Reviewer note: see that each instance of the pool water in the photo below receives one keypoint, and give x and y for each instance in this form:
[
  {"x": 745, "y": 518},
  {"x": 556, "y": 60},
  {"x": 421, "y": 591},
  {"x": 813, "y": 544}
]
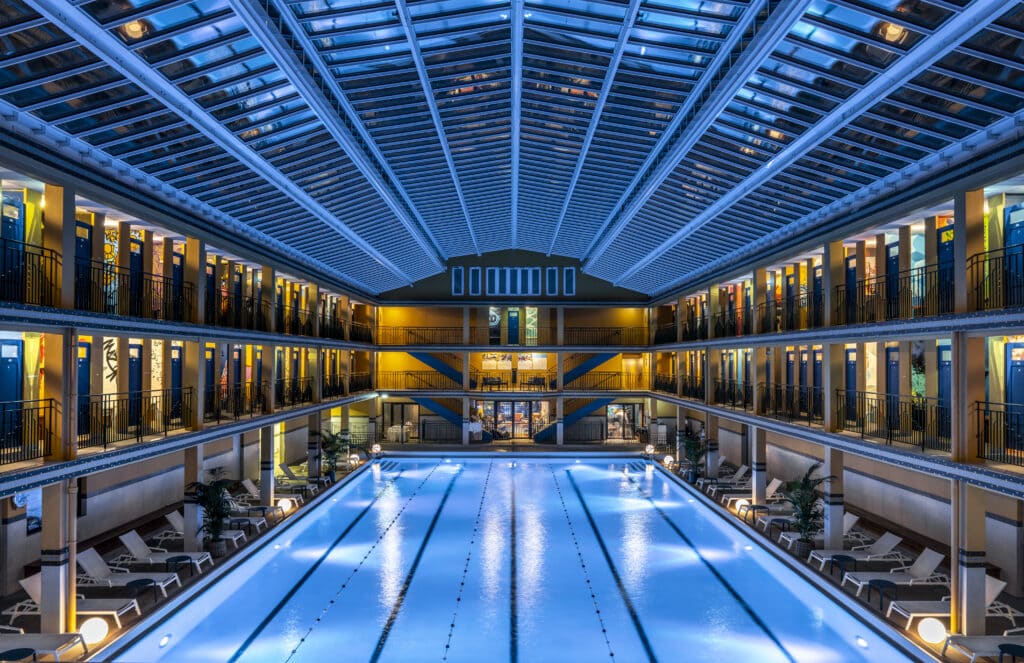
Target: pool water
[{"x": 510, "y": 559}]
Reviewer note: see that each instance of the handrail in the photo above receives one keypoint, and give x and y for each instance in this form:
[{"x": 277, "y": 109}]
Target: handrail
[
  {"x": 918, "y": 421},
  {"x": 998, "y": 278},
  {"x": 29, "y": 274},
  {"x": 1000, "y": 435},
  {"x": 107, "y": 418},
  {"x": 26, "y": 429},
  {"x": 117, "y": 290}
]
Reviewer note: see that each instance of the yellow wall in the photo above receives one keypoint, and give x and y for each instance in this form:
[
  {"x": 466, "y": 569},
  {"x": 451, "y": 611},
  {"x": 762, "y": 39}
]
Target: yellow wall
[
  {"x": 605, "y": 317},
  {"x": 407, "y": 316}
]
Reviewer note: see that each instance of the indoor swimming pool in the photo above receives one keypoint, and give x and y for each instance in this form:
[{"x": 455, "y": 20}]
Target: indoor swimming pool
[{"x": 499, "y": 558}]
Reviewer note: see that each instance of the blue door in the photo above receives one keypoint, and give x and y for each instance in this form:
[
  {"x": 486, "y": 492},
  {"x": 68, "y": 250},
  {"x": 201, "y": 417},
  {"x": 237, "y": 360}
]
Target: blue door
[
  {"x": 10, "y": 392},
  {"x": 892, "y": 281},
  {"x": 1015, "y": 396},
  {"x": 84, "y": 386},
  {"x": 819, "y": 298},
  {"x": 746, "y": 366},
  {"x": 892, "y": 386},
  {"x": 295, "y": 372},
  {"x": 513, "y": 326},
  {"x": 791, "y": 301},
  {"x": 945, "y": 273},
  {"x": 175, "y": 381},
  {"x": 1013, "y": 229},
  {"x": 818, "y": 394},
  {"x": 802, "y": 385},
  {"x": 790, "y": 378},
  {"x": 945, "y": 365},
  {"x": 279, "y": 386},
  {"x": 211, "y": 297},
  {"x": 135, "y": 278},
  {"x": 851, "y": 384},
  {"x": 257, "y": 369},
  {"x": 851, "y": 290},
  {"x": 178, "y": 285},
  {"x": 209, "y": 360},
  {"x": 83, "y": 266},
  {"x": 236, "y": 365},
  {"x": 134, "y": 384},
  {"x": 12, "y": 249}
]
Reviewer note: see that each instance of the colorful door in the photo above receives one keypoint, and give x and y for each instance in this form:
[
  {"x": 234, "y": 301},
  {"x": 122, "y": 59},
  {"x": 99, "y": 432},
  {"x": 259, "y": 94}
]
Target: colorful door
[
  {"x": 12, "y": 248},
  {"x": 175, "y": 381},
  {"x": 945, "y": 366},
  {"x": 851, "y": 290},
  {"x": 135, "y": 278},
  {"x": 892, "y": 281},
  {"x": 818, "y": 298},
  {"x": 892, "y": 386},
  {"x": 818, "y": 397},
  {"x": 84, "y": 385},
  {"x": 1013, "y": 229},
  {"x": 134, "y": 384},
  {"x": 177, "y": 307},
  {"x": 513, "y": 326},
  {"x": 945, "y": 273},
  {"x": 83, "y": 266},
  {"x": 10, "y": 392},
  {"x": 850, "y": 403},
  {"x": 1015, "y": 396}
]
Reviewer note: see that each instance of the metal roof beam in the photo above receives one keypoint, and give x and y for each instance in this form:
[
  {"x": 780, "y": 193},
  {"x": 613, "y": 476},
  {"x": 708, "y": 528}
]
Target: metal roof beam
[
  {"x": 595, "y": 116},
  {"x": 516, "y": 14},
  {"x": 435, "y": 115},
  {"x": 260, "y": 24},
  {"x": 85, "y": 30},
  {"x": 947, "y": 37},
  {"x": 663, "y": 159}
]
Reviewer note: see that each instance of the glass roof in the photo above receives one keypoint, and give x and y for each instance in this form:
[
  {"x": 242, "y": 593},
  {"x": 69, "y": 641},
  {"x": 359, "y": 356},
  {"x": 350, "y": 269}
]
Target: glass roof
[{"x": 650, "y": 139}]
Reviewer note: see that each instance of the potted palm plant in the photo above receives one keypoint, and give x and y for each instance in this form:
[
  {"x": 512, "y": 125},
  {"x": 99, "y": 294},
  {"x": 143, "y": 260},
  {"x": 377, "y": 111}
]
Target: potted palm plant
[
  {"x": 694, "y": 449},
  {"x": 333, "y": 445},
  {"x": 802, "y": 494},
  {"x": 212, "y": 498}
]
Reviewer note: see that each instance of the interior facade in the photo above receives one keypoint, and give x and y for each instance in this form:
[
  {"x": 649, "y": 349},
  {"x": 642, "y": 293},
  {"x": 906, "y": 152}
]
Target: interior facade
[{"x": 793, "y": 229}]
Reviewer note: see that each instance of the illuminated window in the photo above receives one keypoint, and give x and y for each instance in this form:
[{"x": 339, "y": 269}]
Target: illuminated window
[
  {"x": 458, "y": 286},
  {"x": 569, "y": 282}
]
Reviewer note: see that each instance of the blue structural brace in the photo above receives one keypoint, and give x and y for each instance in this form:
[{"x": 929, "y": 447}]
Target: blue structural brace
[
  {"x": 585, "y": 367},
  {"x": 438, "y": 365},
  {"x": 571, "y": 418}
]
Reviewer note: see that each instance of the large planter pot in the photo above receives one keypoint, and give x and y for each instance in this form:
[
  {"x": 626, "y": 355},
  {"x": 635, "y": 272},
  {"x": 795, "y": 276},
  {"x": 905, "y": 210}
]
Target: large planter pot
[
  {"x": 218, "y": 548},
  {"x": 330, "y": 475},
  {"x": 691, "y": 476},
  {"x": 802, "y": 549}
]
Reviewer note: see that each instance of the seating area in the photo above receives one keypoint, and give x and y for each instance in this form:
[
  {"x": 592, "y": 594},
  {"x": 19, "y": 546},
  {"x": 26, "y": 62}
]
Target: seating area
[
  {"x": 128, "y": 573},
  {"x": 905, "y": 580}
]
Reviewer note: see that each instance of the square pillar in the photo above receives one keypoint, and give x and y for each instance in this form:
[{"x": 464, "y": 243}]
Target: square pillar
[
  {"x": 967, "y": 572},
  {"x": 835, "y": 503},
  {"x": 194, "y": 376},
  {"x": 313, "y": 450},
  {"x": 61, "y": 384},
  {"x": 195, "y": 273},
  {"x": 967, "y": 387},
  {"x": 968, "y": 240},
  {"x": 57, "y": 610},
  {"x": 193, "y": 513},
  {"x": 833, "y": 378},
  {"x": 267, "y": 466},
  {"x": 758, "y": 464},
  {"x": 59, "y": 235},
  {"x": 560, "y": 419},
  {"x": 560, "y": 325},
  {"x": 465, "y": 422},
  {"x": 832, "y": 268}
]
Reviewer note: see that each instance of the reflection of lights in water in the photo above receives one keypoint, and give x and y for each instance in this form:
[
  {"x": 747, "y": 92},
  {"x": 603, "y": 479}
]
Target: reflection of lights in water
[
  {"x": 636, "y": 544},
  {"x": 532, "y": 540},
  {"x": 492, "y": 552},
  {"x": 390, "y": 550}
]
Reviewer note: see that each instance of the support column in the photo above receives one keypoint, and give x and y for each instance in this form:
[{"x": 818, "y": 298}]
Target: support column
[
  {"x": 560, "y": 325},
  {"x": 832, "y": 267},
  {"x": 467, "y": 336},
  {"x": 759, "y": 287},
  {"x": 267, "y": 466},
  {"x": 967, "y": 388},
  {"x": 758, "y": 463},
  {"x": 967, "y": 572},
  {"x": 833, "y": 378},
  {"x": 313, "y": 450},
  {"x": 195, "y": 273},
  {"x": 194, "y": 376},
  {"x": 59, "y": 235},
  {"x": 714, "y": 307},
  {"x": 193, "y": 462},
  {"x": 559, "y": 371},
  {"x": 61, "y": 384},
  {"x": 465, "y": 421},
  {"x": 268, "y": 289},
  {"x": 560, "y": 417},
  {"x": 968, "y": 239},
  {"x": 711, "y": 454},
  {"x": 756, "y": 377},
  {"x": 835, "y": 503},
  {"x": 57, "y": 610},
  {"x": 270, "y": 355}
]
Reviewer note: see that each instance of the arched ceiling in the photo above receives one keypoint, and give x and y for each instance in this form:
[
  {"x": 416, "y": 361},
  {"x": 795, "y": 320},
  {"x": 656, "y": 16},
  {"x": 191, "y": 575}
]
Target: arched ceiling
[{"x": 649, "y": 139}]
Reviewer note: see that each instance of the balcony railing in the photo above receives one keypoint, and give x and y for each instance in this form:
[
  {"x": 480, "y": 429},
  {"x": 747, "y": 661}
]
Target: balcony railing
[
  {"x": 913, "y": 420},
  {"x": 998, "y": 276},
  {"x": 360, "y": 332},
  {"x": 1001, "y": 432},
  {"x": 420, "y": 335},
  {"x": 513, "y": 380},
  {"x": 665, "y": 382},
  {"x": 247, "y": 399},
  {"x": 605, "y": 336},
  {"x": 607, "y": 381},
  {"x": 792, "y": 402},
  {"x": 913, "y": 293},
  {"x": 332, "y": 328},
  {"x": 416, "y": 380},
  {"x": 294, "y": 320},
  {"x": 250, "y": 313},
  {"x": 695, "y": 329},
  {"x": 104, "y": 288},
  {"x": 26, "y": 430},
  {"x": 440, "y": 431},
  {"x": 734, "y": 393},
  {"x": 666, "y": 333},
  {"x": 803, "y": 311},
  {"x": 108, "y": 418},
  {"x": 333, "y": 386},
  {"x": 289, "y": 392},
  {"x": 359, "y": 382},
  {"x": 691, "y": 386},
  {"x": 733, "y": 323},
  {"x": 29, "y": 274}
]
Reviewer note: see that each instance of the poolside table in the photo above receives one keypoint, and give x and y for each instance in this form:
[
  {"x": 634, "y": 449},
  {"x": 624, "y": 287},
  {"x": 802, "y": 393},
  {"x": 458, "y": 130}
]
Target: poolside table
[{"x": 886, "y": 588}]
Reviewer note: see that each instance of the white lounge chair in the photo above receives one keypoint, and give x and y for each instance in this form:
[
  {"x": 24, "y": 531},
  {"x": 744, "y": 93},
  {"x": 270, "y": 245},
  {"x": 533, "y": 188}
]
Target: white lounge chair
[
  {"x": 993, "y": 608},
  {"x": 50, "y": 644},
  {"x": 98, "y": 572},
  {"x": 252, "y": 495},
  {"x": 883, "y": 549},
  {"x": 735, "y": 481},
  {"x": 138, "y": 551},
  {"x": 771, "y": 494},
  {"x": 850, "y": 536},
  {"x": 983, "y": 646},
  {"x": 921, "y": 572},
  {"x": 243, "y": 511},
  {"x": 176, "y": 532},
  {"x": 702, "y": 480},
  {"x": 33, "y": 586},
  {"x": 294, "y": 481},
  {"x": 785, "y": 514}
]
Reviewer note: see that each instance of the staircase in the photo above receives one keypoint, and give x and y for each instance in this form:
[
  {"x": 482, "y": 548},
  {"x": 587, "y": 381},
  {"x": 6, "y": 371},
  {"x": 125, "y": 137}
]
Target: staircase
[
  {"x": 442, "y": 363},
  {"x": 585, "y": 365},
  {"x": 585, "y": 408},
  {"x": 445, "y": 412}
]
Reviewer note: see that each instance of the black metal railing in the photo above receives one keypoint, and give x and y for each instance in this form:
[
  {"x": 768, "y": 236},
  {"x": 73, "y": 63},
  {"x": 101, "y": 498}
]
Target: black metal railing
[
  {"x": 108, "y": 418},
  {"x": 26, "y": 430},
  {"x": 998, "y": 278},
  {"x": 733, "y": 323},
  {"x": 607, "y": 381},
  {"x": 423, "y": 380},
  {"x": 665, "y": 382},
  {"x": 586, "y": 431},
  {"x": 250, "y": 313},
  {"x": 788, "y": 402},
  {"x": 734, "y": 393},
  {"x": 1001, "y": 432},
  {"x": 360, "y": 332},
  {"x": 294, "y": 320},
  {"x": 333, "y": 386},
  {"x": 914, "y": 420},
  {"x": 359, "y": 382},
  {"x": 331, "y": 327},
  {"x": 420, "y": 335},
  {"x": 803, "y": 311},
  {"x": 105, "y": 288},
  {"x": 29, "y": 274},
  {"x": 666, "y": 333},
  {"x": 440, "y": 431},
  {"x": 605, "y": 336},
  {"x": 913, "y": 293},
  {"x": 289, "y": 392},
  {"x": 691, "y": 386},
  {"x": 695, "y": 329},
  {"x": 234, "y": 401},
  {"x": 513, "y": 380}
]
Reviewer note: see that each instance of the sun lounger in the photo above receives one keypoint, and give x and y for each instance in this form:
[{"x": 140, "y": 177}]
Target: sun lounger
[
  {"x": 98, "y": 572},
  {"x": 921, "y": 572},
  {"x": 918, "y": 609},
  {"x": 982, "y": 646},
  {"x": 33, "y": 586},
  {"x": 138, "y": 551},
  {"x": 883, "y": 549}
]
